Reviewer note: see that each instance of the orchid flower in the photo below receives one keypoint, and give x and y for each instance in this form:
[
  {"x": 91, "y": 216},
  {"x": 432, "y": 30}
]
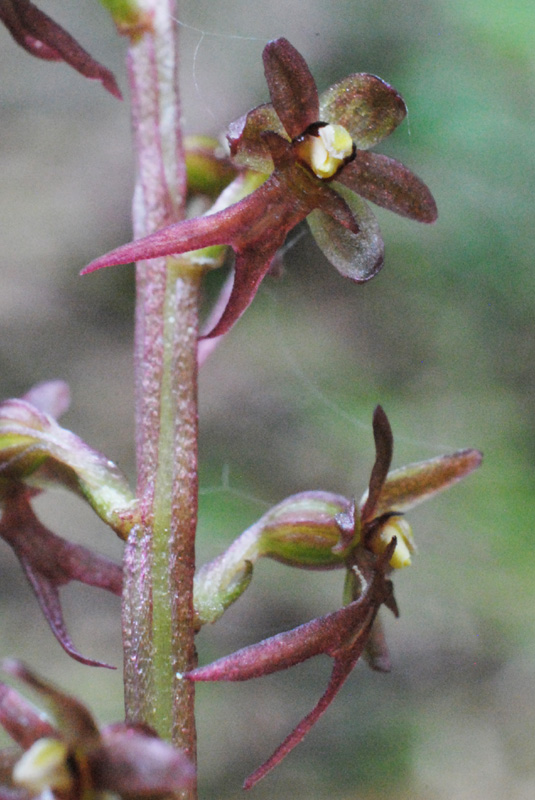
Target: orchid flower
[
  {"x": 314, "y": 151},
  {"x": 44, "y": 38},
  {"x": 323, "y": 531},
  {"x": 74, "y": 758}
]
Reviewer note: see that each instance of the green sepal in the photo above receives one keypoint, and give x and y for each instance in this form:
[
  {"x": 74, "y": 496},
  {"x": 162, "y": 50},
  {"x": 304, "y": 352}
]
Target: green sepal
[
  {"x": 368, "y": 107},
  {"x": 358, "y": 256},
  {"x": 302, "y": 531}
]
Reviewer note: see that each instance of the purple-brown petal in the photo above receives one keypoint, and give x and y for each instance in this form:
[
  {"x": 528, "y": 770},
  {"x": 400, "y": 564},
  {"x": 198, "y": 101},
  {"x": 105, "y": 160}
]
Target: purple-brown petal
[
  {"x": 76, "y": 723},
  {"x": 384, "y": 448},
  {"x": 356, "y": 255},
  {"x": 332, "y": 634},
  {"x": 345, "y": 652},
  {"x": 255, "y": 217},
  {"x": 368, "y": 107},
  {"x": 21, "y": 720},
  {"x": 247, "y": 147},
  {"x": 291, "y": 86},
  {"x": 411, "y": 485},
  {"x": 250, "y": 269},
  {"x": 388, "y": 183},
  {"x": 50, "y": 562},
  {"x": 133, "y": 764},
  {"x": 44, "y": 38},
  {"x": 341, "y": 670},
  {"x": 255, "y": 228}
]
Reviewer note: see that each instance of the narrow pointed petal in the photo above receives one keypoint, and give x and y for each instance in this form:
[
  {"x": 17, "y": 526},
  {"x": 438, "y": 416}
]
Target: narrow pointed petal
[
  {"x": 367, "y": 107},
  {"x": 247, "y": 147},
  {"x": 182, "y": 237},
  {"x": 376, "y": 652},
  {"x": 249, "y": 271},
  {"x": 409, "y": 486},
  {"x": 389, "y": 184},
  {"x": 340, "y": 673},
  {"x": 77, "y": 724},
  {"x": 337, "y": 206},
  {"x": 22, "y": 721},
  {"x": 285, "y": 649},
  {"x": 240, "y": 225},
  {"x": 50, "y": 562},
  {"x": 346, "y": 652},
  {"x": 44, "y": 38},
  {"x": 47, "y": 595},
  {"x": 291, "y": 86},
  {"x": 358, "y": 256},
  {"x": 331, "y": 634},
  {"x": 384, "y": 448}
]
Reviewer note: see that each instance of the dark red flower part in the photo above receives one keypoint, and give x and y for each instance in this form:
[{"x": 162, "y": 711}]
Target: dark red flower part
[
  {"x": 314, "y": 530},
  {"x": 384, "y": 450},
  {"x": 311, "y": 148},
  {"x": 49, "y": 562},
  {"x": 44, "y": 38},
  {"x": 292, "y": 88},
  {"x": 343, "y": 635},
  {"x": 255, "y": 228},
  {"x": 75, "y": 759}
]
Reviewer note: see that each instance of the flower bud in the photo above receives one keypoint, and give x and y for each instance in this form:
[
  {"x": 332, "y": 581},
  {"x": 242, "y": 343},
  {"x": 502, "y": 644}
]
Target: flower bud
[
  {"x": 305, "y": 531},
  {"x": 310, "y": 530},
  {"x": 209, "y": 169},
  {"x": 36, "y": 450}
]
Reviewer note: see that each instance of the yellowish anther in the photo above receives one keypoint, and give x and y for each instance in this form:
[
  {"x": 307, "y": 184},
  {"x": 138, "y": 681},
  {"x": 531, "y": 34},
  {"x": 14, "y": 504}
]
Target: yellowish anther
[
  {"x": 400, "y": 528},
  {"x": 326, "y": 151},
  {"x": 44, "y": 766}
]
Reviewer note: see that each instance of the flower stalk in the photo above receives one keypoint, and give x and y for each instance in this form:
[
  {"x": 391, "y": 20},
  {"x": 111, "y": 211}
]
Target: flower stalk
[{"x": 159, "y": 561}]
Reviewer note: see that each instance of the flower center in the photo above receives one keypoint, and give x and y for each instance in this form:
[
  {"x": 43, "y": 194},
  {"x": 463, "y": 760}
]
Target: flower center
[
  {"x": 325, "y": 149},
  {"x": 400, "y": 528},
  {"x": 44, "y": 766}
]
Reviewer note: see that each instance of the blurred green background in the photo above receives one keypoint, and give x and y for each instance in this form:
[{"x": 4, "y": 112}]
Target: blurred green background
[{"x": 443, "y": 338}]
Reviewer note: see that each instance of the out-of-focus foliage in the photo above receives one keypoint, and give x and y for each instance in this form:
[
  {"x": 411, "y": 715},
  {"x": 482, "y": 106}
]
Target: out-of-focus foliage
[{"x": 443, "y": 339}]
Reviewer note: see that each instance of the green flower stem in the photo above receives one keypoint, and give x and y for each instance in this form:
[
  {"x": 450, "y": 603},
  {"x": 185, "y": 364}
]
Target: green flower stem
[{"x": 158, "y": 622}]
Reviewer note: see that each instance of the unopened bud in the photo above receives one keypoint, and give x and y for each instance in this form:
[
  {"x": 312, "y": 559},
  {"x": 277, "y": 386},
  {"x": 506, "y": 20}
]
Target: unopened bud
[
  {"x": 209, "y": 169},
  {"x": 35, "y": 449},
  {"x": 304, "y": 531}
]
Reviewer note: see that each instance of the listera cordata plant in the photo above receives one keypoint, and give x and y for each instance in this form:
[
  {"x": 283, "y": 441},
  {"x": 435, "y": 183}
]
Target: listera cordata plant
[
  {"x": 320, "y": 530},
  {"x": 304, "y": 156},
  {"x": 310, "y": 155}
]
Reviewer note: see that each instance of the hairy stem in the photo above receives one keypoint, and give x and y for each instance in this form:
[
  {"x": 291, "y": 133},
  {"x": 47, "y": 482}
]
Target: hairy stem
[{"x": 160, "y": 559}]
